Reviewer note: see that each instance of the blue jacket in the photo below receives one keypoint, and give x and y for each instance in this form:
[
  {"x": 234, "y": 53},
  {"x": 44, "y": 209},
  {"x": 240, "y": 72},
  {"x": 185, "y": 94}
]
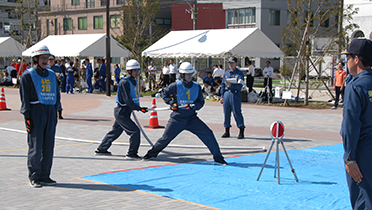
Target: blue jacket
[
  {"x": 357, "y": 121},
  {"x": 234, "y": 87},
  {"x": 89, "y": 71}
]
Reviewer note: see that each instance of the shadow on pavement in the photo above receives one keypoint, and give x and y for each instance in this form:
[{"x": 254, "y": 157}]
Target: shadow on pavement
[{"x": 107, "y": 187}]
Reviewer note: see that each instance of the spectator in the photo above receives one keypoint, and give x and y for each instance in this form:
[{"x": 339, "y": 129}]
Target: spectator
[
  {"x": 63, "y": 76},
  {"x": 208, "y": 78},
  {"x": 13, "y": 63},
  {"x": 97, "y": 84},
  {"x": 172, "y": 71},
  {"x": 250, "y": 76},
  {"x": 165, "y": 73},
  {"x": 340, "y": 76},
  {"x": 89, "y": 75},
  {"x": 18, "y": 66},
  {"x": 7, "y": 81},
  {"x": 217, "y": 72},
  {"x": 208, "y": 89},
  {"x": 117, "y": 72},
  {"x": 152, "y": 75},
  {"x": 57, "y": 70},
  {"x": 70, "y": 80},
  {"x": 268, "y": 81},
  {"x": 102, "y": 75}
]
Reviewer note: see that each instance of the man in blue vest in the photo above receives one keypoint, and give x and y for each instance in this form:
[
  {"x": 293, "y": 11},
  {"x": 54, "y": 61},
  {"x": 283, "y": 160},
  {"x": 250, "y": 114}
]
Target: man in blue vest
[
  {"x": 356, "y": 130},
  {"x": 89, "y": 74},
  {"x": 185, "y": 97},
  {"x": 40, "y": 97},
  {"x": 127, "y": 99},
  {"x": 231, "y": 98}
]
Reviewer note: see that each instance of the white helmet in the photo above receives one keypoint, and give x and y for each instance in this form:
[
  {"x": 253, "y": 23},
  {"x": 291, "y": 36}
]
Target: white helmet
[
  {"x": 186, "y": 68},
  {"x": 42, "y": 50},
  {"x": 132, "y": 64}
]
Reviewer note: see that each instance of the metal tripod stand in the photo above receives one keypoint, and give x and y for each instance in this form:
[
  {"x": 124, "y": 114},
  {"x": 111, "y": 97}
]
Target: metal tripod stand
[{"x": 277, "y": 133}]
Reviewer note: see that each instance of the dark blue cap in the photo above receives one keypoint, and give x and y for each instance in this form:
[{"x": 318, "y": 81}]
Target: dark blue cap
[
  {"x": 62, "y": 60},
  {"x": 361, "y": 47},
  {"x": 233, "y": 59}
]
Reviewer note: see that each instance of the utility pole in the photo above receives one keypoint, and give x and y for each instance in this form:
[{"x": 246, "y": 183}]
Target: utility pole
[
  {"x": 108, "y": 50},
  {"x": 194, "y": 15}
]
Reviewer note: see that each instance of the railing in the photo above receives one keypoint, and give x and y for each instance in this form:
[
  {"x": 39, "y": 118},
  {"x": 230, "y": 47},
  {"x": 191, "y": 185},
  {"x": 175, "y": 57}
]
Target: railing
[{"x": 86, "y": 4}]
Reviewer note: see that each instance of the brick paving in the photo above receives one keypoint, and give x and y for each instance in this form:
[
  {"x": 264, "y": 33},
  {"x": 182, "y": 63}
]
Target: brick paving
[{"x": 90, "y": 116}]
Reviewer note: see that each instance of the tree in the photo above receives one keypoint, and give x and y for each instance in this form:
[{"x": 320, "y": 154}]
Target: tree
[
  {"x": 28, "y": 29},
  {"x": 136, "y": 18},
  {"x": 309, "y": 20}
]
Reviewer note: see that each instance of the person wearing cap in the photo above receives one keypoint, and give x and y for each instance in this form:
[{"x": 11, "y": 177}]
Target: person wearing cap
[
  {"x": 356, "y": 128},
  {"x": 40, "y": 98},
  {"x": 185, "y": 98},
  {"x": 57, "y": 70},
  {"x": 127, "y": 99},
  {"x": 70, "y": 79},
  {"x": 231, "y": 98}
]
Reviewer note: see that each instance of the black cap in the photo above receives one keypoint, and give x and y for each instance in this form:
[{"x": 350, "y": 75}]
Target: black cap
[
  {"x": 233, "y": 59},
  {"x": 62, "y": 60},
  {"x": 361, "y": 47}
]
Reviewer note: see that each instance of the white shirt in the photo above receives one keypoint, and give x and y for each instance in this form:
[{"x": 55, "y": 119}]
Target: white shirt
[
  {"x": 165, "y": 70},
  {"x": 251, "y": 70},
  {"x": 151, "y": 69},
  {"x": 10, "y": 68},
  {"x": 268, "y": 72},
  {"x": 172, "y": 69},
  {"x": 218, "y": 72}
]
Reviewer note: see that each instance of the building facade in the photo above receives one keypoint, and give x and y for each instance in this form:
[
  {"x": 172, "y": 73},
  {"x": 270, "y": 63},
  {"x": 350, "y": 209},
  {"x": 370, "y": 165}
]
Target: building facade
[{"x": 362, "y": 19}]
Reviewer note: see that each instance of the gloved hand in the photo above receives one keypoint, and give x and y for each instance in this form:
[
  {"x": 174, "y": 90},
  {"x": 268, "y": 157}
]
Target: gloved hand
[
  {"x": 29, "y": 125},
  {"x": 189, "y": 106},
  {"x": 144, "y": 109},
  {"x": 174, "y": 106}
]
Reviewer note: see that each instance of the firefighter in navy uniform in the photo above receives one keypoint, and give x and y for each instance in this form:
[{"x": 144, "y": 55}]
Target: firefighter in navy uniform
[
  {"x": 185, "y": 92},
  {"x": 356, "y": 130},
  {"x": 231, "y": 99},
  {"x": 40, "y": 97},
  {"x": 127, "y": 99}
]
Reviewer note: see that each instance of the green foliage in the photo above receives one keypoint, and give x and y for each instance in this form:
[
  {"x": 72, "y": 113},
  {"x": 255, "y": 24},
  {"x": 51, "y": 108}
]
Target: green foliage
[{"x": 135, "y": 18}]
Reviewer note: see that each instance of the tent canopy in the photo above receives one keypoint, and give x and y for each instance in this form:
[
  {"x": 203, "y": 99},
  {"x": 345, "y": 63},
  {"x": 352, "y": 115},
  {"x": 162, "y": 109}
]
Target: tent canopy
[
  {"x": 10, "y": 47},
  {"x": 251, "y": 42},
  {"x": 79, "y": 45}
]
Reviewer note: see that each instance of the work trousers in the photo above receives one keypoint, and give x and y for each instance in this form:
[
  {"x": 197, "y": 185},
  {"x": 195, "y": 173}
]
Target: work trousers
[
  {"x": 122, "y": 123},
  {"x": 232, "y": 102},
  {"x": 338, "y": 93},
  {"x": 250, "y": 81},
  {"x": 41, "y": 141},
  {"x": 193, "y": 124}
]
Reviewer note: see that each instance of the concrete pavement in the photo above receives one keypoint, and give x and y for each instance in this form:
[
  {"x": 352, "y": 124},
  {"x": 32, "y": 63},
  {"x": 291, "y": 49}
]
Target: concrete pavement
[{"x": 90, "y": 116}]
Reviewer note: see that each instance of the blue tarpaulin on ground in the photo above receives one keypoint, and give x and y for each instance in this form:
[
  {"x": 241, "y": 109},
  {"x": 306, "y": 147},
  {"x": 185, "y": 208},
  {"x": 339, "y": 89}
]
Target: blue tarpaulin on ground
[{"x": 320, "y": 170}]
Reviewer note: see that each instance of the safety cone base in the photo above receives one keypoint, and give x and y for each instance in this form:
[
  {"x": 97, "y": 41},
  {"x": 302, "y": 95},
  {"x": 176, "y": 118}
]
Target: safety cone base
[{"x": 153, "y": 127}]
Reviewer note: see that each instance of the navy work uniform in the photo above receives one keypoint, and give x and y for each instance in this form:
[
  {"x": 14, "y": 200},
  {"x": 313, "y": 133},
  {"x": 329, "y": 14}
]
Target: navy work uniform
[
  {"x": 40, "y": 98},
  {"x": 127, "y": 99},
  {"x": 232, "y": 99},
  {"x": 356, "y": 132},
  {"x": 70, "y": 81},
  {"x": 185, "y": 119}
]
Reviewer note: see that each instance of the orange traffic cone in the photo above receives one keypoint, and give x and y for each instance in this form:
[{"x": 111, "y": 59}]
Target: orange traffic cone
[
  {"x": 154, "y": 123},
  {"x": 2, "y": 100}
]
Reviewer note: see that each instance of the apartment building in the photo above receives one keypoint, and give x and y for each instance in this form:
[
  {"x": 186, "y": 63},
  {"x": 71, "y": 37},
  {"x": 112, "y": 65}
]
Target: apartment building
[{"x": 363, "y": 18}]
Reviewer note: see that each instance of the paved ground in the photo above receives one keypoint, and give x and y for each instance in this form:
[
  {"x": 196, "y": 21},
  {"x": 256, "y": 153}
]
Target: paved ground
[{"x": 90, "y": 116}]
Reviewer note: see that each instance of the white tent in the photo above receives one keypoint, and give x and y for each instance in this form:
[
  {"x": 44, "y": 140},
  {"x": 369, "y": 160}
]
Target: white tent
[
  {"x": 10, "y": 47},
  {"x": 251, "y": 42},
  {"x": 79, "y": 45}
]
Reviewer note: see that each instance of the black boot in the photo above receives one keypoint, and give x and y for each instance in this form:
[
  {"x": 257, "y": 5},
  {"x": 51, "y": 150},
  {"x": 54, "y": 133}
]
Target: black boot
[
  {"x": 227, "y": 133},
  {"x": 60, "y": 114},
  {"x": 241, "y": 133}
]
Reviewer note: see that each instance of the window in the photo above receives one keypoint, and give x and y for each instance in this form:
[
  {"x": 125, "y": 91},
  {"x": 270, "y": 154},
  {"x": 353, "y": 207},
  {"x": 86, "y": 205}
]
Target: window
[
  {"x": 82, "y": 23},
  {"x": 115, "y": 21},
  {"x": 75, "y": 2},
  {"x": 55, "y": 26},
  {"x": 292, "y": 19},
  {"x": 325, "y": 23},
  {"x": 103, "y": 3},
  {"x": 47, "y": 26},
  {"x": 274, "y": 18},
  {"x": 67, "y": 24},
  {"x": 163, "y": 21},
  {"x": 98, "y": 22},
  {"x": 119, "y": 2},
  {"x": 241, "y": 16},
  {"x": 90, "y": 3}
]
